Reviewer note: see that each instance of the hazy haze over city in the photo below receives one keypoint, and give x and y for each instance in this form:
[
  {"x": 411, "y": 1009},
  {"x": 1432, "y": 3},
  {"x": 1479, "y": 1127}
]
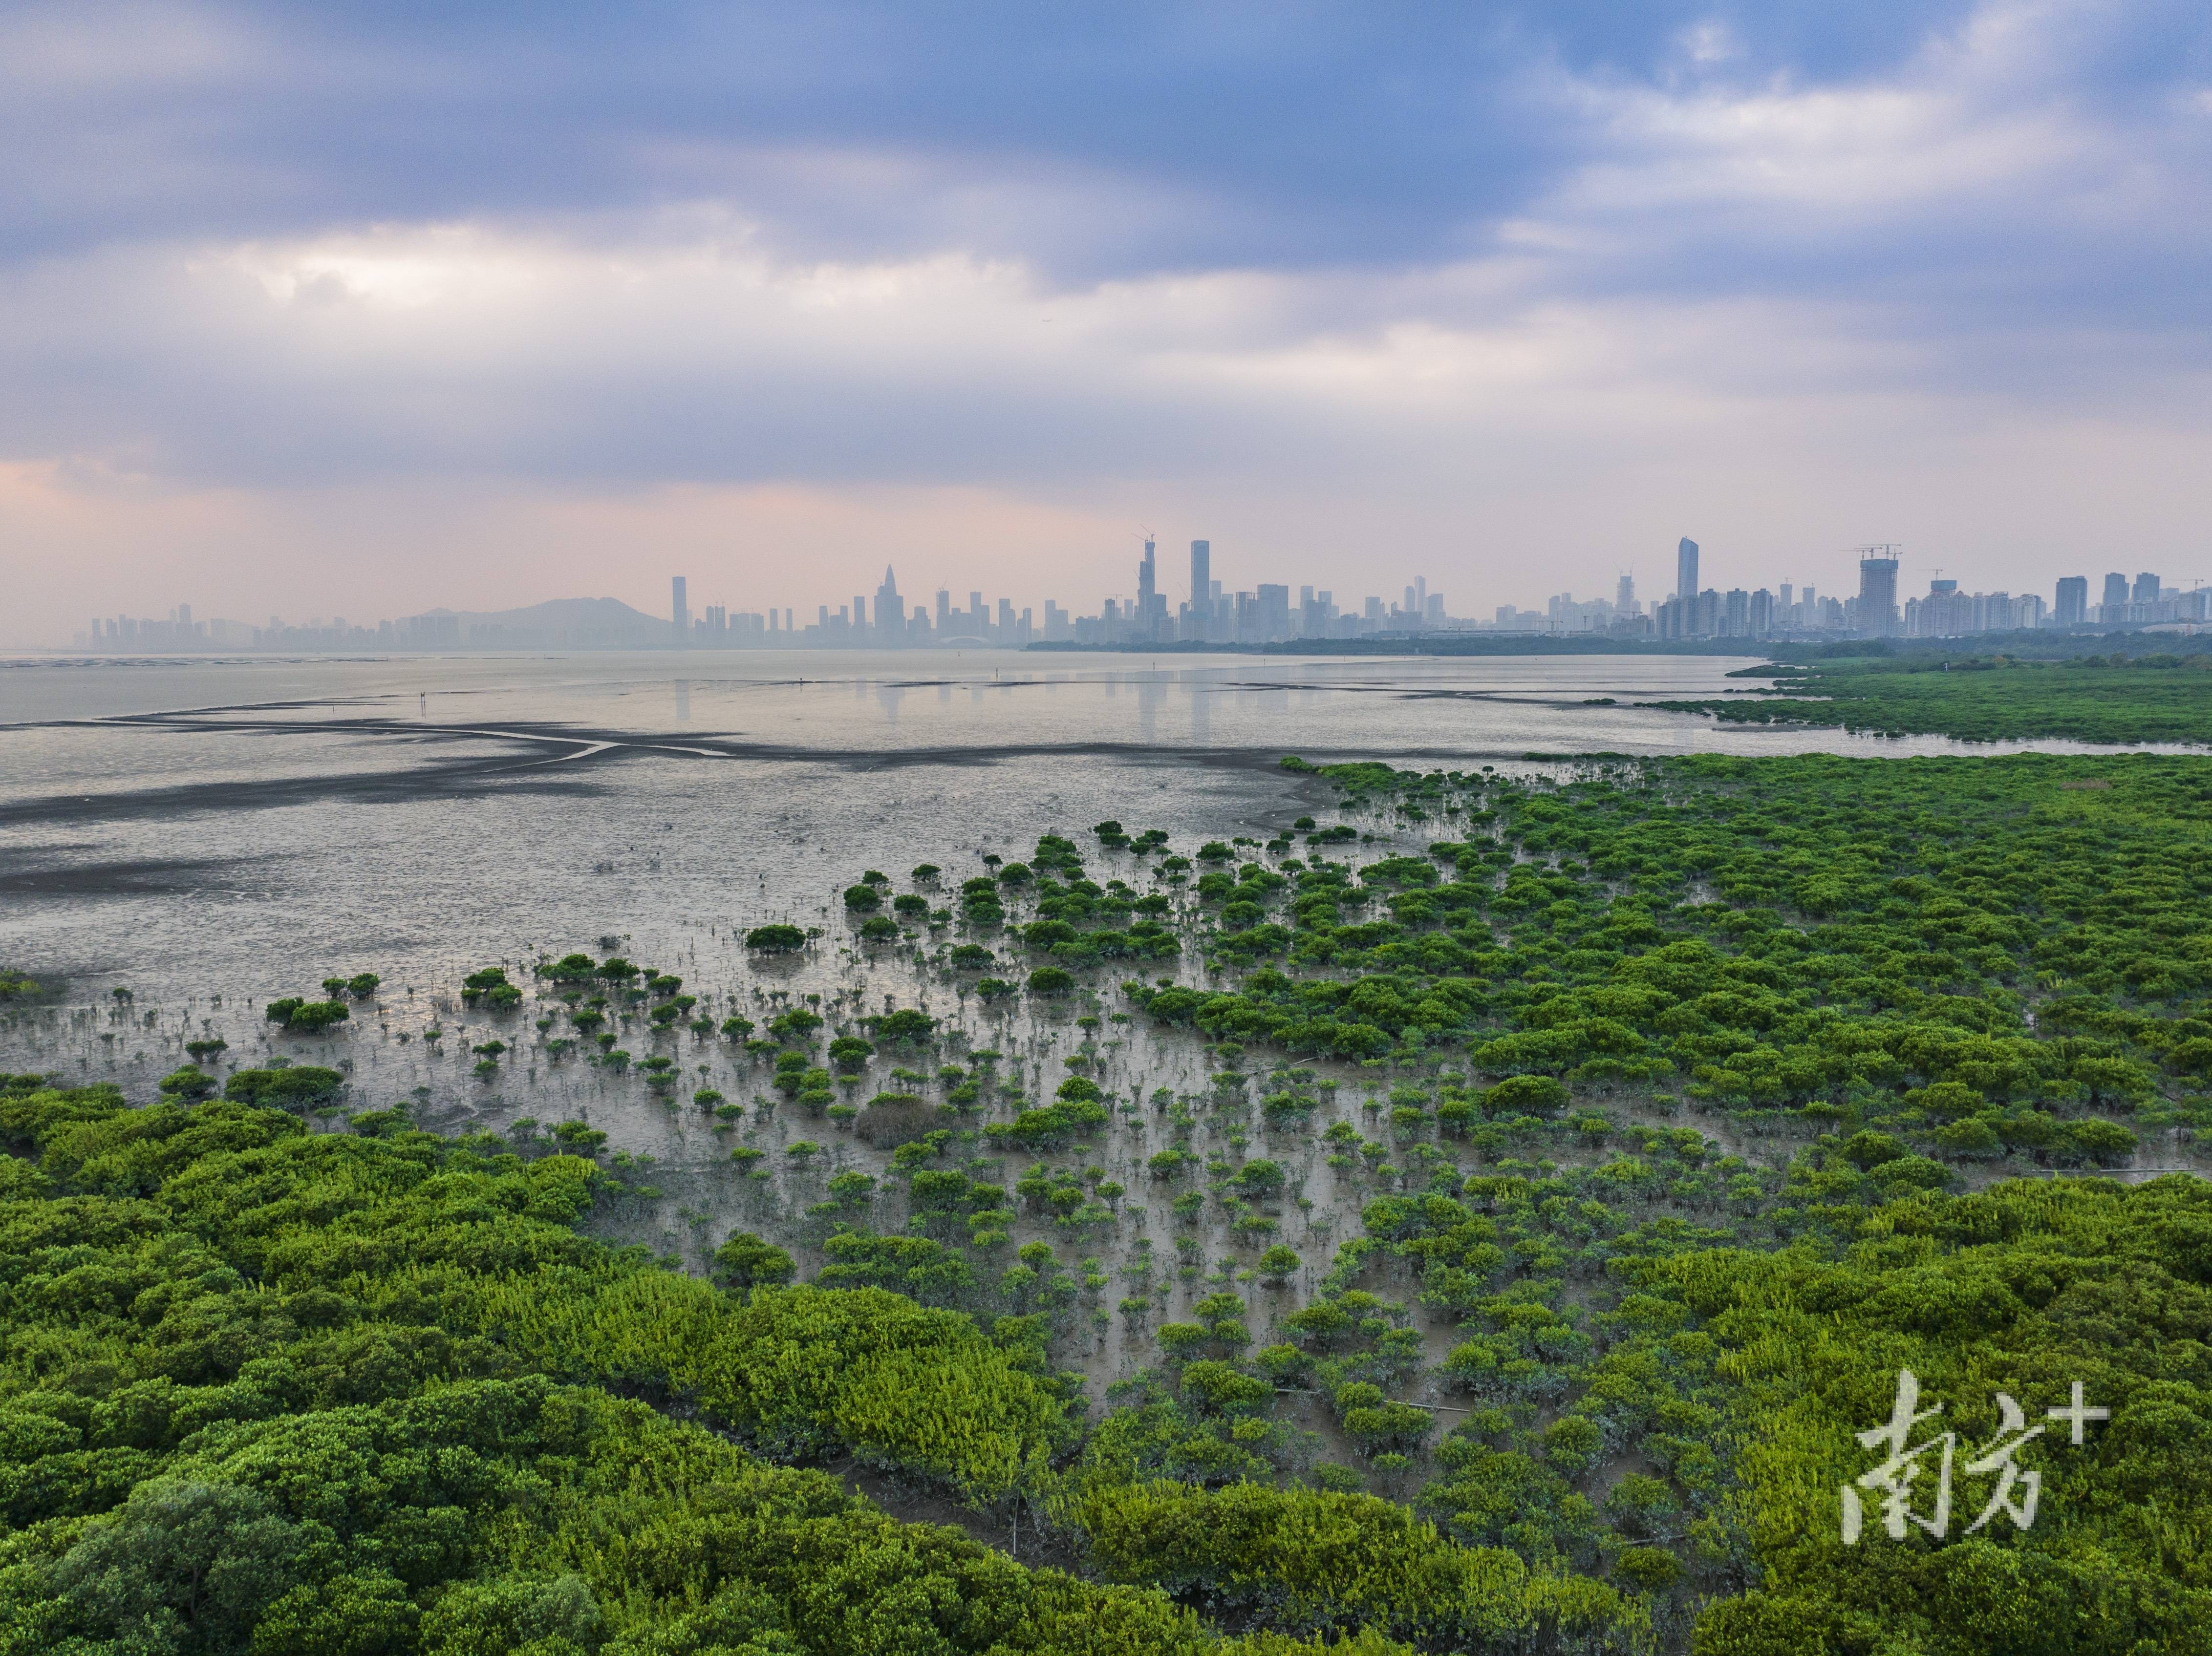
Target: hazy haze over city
[{"x": 306, "y": 310}]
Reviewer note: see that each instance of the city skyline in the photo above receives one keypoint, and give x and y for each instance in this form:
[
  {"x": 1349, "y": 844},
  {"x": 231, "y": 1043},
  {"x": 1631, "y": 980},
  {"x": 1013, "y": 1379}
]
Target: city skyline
[{"x": 1263, "y": 614}]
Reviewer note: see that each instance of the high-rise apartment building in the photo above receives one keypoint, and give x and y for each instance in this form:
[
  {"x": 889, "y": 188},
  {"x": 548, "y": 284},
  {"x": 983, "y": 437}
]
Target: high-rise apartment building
[
  {"x": 1623, "y": 595},
  {"x": 1685, "y": 568},
  {"x": 681, "y": 605},
  {"x": 2115, "y": 592},
  {"x": 1877, "y": 614},
  {"x": 1944, "y": 613},
  {"x": 2146, "y": 590},
  {"x": 2073, "y": 605}
]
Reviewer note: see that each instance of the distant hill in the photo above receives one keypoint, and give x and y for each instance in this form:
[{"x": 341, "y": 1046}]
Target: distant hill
[{"x": 570, "y": 623}]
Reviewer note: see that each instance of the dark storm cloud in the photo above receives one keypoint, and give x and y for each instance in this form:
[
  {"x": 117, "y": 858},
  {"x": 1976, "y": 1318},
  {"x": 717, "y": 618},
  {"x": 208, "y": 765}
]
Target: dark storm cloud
[{"x": 1238, "y": 135}]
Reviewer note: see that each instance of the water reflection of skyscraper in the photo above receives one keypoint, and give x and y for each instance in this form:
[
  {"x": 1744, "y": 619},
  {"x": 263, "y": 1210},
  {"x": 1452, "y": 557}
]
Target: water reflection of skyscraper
[
  {"x": 888, "y": 697},
  {"x": 1152, "y": 693},
  {"x": 683, "y": 702}
]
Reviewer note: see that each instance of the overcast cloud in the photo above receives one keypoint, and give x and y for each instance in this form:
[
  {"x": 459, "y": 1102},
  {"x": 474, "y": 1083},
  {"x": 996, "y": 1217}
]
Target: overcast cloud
[{"x": 312, "y": 311}]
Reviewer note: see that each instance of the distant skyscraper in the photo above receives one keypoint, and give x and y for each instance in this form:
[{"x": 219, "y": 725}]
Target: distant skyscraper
[
  {"x": 2115, "y": 592},
  {"x": 1685, "y": 568},
  {"x": 1623, "y": 595},
  {"x": 1735, "y": 613},
  {"x": 1201, "y": 575},
  {"x": 2073, "y": 605},
  {"x": 1878, "y": 596},
  {"x": 683, "y": 608},
  {"x": 2146, "y": 588},
  {"x": 890, "y": 608}
]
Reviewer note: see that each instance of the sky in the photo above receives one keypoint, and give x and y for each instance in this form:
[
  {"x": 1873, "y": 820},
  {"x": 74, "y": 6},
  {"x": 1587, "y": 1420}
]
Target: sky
[{"x": 310, "y": 310}]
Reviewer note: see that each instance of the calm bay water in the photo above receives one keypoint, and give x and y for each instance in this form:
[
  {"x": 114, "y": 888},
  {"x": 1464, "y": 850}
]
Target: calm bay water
[{"x": 244, "y": 827}]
